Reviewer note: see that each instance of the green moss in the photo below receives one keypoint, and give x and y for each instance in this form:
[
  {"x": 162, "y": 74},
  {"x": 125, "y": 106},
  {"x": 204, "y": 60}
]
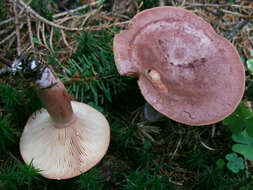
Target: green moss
[
  {"x": 19, "y": 104},
  {"x": 147, "y": 4},
  {"x": 3, "y": 11},
  {"x": 88, "y": 181},
  {"x": 15, "y": 176},
  {"x": 91, "y": 74}
]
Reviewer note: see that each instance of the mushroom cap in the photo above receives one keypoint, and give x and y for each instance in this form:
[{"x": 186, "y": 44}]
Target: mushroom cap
[
  {"x": 186, "y": 71},
  {"x": 62, "y": 153}
]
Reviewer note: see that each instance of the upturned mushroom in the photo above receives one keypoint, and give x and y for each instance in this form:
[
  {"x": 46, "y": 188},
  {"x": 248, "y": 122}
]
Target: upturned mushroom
[
  {"x": 65, "y": 139},
  {"x": 186, "y": 71}
]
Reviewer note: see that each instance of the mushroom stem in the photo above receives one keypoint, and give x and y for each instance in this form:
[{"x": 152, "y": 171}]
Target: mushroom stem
[{"x": 55, "y": 98}]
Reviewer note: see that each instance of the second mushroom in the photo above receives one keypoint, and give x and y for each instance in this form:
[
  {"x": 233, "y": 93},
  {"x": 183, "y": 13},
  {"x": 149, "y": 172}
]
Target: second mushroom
[{"x": 186, "y": 71}]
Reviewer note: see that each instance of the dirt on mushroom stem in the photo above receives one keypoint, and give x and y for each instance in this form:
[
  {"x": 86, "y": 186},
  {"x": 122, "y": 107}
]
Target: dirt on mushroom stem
[{"x": 49, "y": 88}]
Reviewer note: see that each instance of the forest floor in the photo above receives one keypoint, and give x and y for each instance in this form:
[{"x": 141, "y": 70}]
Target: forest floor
[{"x": 75, "y": 38}]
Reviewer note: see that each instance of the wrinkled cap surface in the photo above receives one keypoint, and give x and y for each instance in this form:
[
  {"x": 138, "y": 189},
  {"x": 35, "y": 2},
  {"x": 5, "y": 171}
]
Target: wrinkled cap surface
[
  {"x": 186, "y": 71},
  {"x": 62, "y": 153}
]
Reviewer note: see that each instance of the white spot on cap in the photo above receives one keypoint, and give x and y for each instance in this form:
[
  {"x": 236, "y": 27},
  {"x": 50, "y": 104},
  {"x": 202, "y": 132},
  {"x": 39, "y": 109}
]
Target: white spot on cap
[{"x": 155, "y": 76}]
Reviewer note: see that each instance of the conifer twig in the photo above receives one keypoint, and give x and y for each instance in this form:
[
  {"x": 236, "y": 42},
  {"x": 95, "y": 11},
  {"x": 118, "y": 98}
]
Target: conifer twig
[
  {"x": 44, "y": 20},
  {"x": 38, "y": 26},
  {"x": 104, "y": 26},
  {"x": 217, "y": 5},
  {"x": 12, "y": 19},
  {"x": 4, "y": 71},
  {"x": 177, "y": 147},
  {"x": 182, "y": 4},
  {"x": 51, "y": 39},
  {"x": 8, "y": 37},
  {"x": 4, "y": 31},
  {"x": 65, "y": 41},
  {"x": 6, "y": 21},
  {"x": 237, "y": 29},
  {"x": 5, "y": 61},
  {"x": 70, "y": 12},
  {"x": 11, "y": 35},
  {"x": 44, "y": 36},
  {"x": 30, "y": 30},
  {"x": 17, "y": 28},
  {"x": 236, "y": 13},
  {"x": 89, "y": 15}
]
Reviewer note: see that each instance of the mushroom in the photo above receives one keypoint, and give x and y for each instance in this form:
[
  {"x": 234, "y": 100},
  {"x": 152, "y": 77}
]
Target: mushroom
[
  {"x": 150, "y": 114},
  {"x": 186, "y": 71},
  {"x": 65, "y": 139}
]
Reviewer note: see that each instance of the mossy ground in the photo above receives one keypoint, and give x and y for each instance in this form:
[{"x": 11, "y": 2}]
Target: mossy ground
[{"x": 142, "y": 155}]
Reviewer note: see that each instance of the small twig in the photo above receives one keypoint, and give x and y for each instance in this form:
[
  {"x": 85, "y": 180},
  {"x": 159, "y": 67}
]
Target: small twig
[
  {"x": 4, "y": 31},
  {"x": 26, "y": 48},
  {"x": 65, "y": 41},
  {"x": 175, "y": 182},
  {"x": 17, "y": 28},
  {"x": 237, "y": 29},
  {"x": 103, "y": 26},
  {"x": 89, "y": 15},
  {"x": 5, "y": 61},
  {"x": 182, "y": 4},
  {"x": 81, "y": 80},
  {"x": 38, "y": 26},
  {"x": 213, "y": 131},
  {"x": 110, "y": 76},
  {"x": 202, "y": 143},
  {"x": 65, "y": 19},
  {"x": 44, "y": 20},
  {"x": 120, "y": 15},
  {"x": 51, "y": 39},
  {"x": 6, "y": 21},
  {"x": 8, "y": 37},
  {"x": 139, "y": 7},
  {"x": 30, "y": 30},
  {"x": 70, "y": 12},
  {"x": 11, "y": 41},
  {"x": 207, "y": 147},
  {"x": 217, "y": 5},
  {"x": 12, "y": 19},
  {"x": 44, "y": 36},
  {"x": 4, "y": 71},
  {"x": 175, "y": 151},
  {"x": 236, "y": 13}
]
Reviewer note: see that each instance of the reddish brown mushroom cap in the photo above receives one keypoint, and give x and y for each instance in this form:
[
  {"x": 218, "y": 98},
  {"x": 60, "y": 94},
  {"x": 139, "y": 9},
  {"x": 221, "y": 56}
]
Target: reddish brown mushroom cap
[{"x": 186, "y": 71}]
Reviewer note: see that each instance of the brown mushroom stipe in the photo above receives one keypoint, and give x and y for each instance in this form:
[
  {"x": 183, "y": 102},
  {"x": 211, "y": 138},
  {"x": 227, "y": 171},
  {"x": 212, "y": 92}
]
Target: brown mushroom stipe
[
  {"x": 68, "y": 138},
  {"x": 186, "y": 71}
]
